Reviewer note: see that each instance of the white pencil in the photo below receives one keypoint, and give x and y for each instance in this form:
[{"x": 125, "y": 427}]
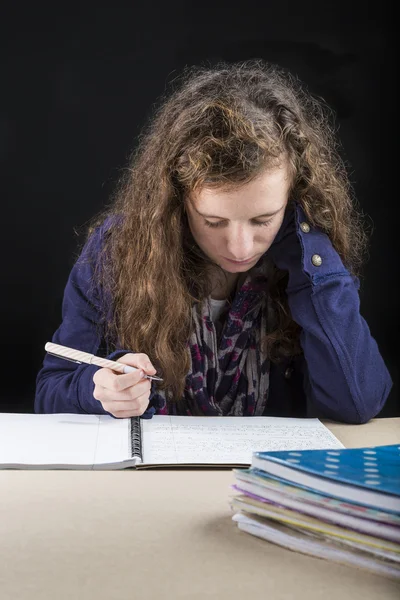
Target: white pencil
[{"x": 85, "y": 357}]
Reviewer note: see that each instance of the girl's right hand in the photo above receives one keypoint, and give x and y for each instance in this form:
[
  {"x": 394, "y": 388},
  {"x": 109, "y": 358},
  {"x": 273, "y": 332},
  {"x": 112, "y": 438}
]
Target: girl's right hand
[{"x": 125, "y": 395}]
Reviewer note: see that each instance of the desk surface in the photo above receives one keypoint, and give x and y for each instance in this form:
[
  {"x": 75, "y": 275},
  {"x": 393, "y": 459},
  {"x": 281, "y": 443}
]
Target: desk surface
[{"x": 159, "y": 535}]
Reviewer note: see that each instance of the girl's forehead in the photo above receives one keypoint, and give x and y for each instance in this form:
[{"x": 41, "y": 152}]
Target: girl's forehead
[{"x": 269, "y": 190}]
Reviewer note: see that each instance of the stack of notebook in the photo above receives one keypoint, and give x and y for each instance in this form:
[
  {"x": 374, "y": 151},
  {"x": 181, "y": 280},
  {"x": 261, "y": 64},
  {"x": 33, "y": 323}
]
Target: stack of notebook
[{"x": 341, "y": 505}]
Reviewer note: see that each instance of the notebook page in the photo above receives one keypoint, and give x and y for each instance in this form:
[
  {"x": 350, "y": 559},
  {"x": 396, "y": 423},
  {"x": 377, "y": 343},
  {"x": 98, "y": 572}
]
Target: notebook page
[
  {"x": 228, "y": 440},
  {"x": 51, "y": 439},
  {"x": 114, "y": 441}
]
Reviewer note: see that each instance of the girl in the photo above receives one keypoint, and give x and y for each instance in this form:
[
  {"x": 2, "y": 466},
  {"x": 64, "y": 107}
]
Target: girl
[{"x": 227, "y": 264}]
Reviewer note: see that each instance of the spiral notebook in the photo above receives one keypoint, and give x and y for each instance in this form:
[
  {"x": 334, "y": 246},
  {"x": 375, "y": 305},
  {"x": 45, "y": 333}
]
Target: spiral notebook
[{"x": 72, "y": 441}]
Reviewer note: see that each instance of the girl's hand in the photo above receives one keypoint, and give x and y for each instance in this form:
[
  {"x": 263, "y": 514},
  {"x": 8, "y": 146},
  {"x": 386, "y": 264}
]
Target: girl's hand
[{"x": 125, "y": 395}]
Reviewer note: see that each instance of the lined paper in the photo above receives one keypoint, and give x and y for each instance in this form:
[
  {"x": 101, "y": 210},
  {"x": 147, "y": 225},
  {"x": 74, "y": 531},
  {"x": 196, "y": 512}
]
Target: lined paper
[
  {"x": 63, "y": 440},
  {"x": 100, "y": 441},
  {"x": 228, "y": 440}
]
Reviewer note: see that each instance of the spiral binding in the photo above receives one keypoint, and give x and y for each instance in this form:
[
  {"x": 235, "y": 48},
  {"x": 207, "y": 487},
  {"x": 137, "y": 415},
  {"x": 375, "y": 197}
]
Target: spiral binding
[{"x": 136, "y": 439}]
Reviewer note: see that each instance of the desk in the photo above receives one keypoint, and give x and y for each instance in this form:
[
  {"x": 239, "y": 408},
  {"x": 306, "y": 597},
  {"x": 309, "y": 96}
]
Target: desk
[{"x": 135, "y": 535}]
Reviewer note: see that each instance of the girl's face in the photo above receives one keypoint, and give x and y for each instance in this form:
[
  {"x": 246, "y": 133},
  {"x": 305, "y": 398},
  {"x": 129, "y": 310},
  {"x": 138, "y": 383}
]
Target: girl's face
[{"x": 235, "y": 228}]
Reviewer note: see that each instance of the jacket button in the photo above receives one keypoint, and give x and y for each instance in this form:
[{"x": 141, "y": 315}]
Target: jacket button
[
  {"x": 288, "y": 373},
  {"x": 316, "y": 260},
  {"x": 305, "y": 227}
]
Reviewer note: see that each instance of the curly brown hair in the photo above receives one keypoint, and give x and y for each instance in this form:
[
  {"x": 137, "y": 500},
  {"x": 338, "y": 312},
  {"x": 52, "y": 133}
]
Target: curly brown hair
[{"x": 220, "y": 126}]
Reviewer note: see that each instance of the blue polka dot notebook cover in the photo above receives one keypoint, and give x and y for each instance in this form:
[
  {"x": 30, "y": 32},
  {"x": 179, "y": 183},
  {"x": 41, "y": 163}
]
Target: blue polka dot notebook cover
[{"x": 365, "y": 475}]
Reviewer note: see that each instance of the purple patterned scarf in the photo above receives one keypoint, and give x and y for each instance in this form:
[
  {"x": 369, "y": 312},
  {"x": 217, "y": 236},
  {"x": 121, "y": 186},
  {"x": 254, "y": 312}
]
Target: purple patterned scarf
[{"x": 229, "y": 376}]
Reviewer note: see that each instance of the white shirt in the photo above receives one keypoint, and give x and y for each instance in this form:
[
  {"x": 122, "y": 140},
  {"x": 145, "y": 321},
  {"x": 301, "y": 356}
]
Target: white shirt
[{"x": 217, "y": 307}]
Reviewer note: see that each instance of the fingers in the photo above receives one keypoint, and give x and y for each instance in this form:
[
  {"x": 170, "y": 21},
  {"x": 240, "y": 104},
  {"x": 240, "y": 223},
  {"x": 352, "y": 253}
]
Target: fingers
[
  {"x": 117, "y": 382},
  {"x": 126, "y": 395},
  {"x": 140, "y": 361},
  {"x": 130, "y": 408}
]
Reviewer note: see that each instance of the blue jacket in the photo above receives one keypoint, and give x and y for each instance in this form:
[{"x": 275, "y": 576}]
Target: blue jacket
[{"x": 340, "y": 375}]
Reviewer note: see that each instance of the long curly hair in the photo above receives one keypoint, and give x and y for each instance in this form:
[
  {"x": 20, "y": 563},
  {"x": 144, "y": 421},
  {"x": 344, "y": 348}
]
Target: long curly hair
[{"x": 219, "y": 126}]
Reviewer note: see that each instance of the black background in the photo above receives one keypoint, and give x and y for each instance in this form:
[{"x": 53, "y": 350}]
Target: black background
[{"x": 78, "y": 83}]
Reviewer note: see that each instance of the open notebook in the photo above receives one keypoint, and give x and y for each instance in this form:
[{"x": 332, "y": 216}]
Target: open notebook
[{"x": 71, "y": 441}]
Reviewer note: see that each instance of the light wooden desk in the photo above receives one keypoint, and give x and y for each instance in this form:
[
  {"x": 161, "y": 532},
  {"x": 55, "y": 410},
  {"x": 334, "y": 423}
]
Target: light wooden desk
[{"x": 135, "y": 535}]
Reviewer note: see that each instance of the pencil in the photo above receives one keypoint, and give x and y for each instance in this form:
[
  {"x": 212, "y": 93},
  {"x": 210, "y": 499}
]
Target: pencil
[{"x": 91, "y": 359}]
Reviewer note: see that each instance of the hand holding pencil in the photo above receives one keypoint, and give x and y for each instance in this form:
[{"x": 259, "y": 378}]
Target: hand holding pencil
[{"x": 122, "y": 387}]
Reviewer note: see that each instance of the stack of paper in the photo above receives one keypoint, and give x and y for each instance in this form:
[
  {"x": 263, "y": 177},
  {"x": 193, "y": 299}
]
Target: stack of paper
[{"x": 342, "y": 505}]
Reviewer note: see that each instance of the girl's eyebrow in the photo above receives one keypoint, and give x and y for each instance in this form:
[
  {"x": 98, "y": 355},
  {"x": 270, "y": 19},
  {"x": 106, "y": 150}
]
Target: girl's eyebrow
[{"x": 270, "y": 214}]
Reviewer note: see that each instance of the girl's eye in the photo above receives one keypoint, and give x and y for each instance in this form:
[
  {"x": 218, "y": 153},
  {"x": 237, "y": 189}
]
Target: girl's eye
[
  {"x": 221, "y": 223},
  {"x": 209, "y": 224},
  {"x": 262, "y": 223}
]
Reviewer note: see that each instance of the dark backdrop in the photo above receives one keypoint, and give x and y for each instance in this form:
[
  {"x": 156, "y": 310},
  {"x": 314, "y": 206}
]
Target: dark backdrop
[{"x": 78, "y": 84}]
